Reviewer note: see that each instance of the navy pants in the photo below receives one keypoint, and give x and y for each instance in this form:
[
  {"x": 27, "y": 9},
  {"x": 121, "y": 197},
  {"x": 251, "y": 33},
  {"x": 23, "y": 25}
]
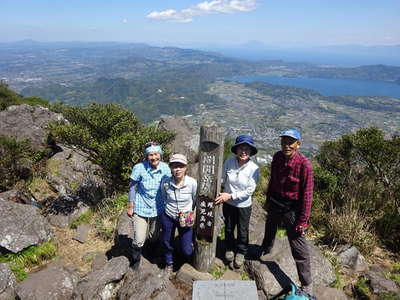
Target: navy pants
[
  {"x": 236, "y": 217},
  {"x": 168, "y": 226}
]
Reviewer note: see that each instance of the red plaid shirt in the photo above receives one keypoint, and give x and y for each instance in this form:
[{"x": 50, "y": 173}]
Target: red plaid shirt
[{"x": 293, "y": 179}]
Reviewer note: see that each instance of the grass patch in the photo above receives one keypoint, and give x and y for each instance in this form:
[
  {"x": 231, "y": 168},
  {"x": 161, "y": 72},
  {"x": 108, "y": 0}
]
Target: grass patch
[
  {"x": 107, "y": 215},
  {"x": 244, "y": 276},
  {"x": 53, "y": 167},
  {"x": 85, "y": 218},
  {"x": 40, "y": 188},
  {"x": 29, "y": 258},
  {"x": 281, "y": 233},
  {"x": 217, "y": 271},
  {"x": 221, "y": 234},
  {"x": 362, "y": 289}
]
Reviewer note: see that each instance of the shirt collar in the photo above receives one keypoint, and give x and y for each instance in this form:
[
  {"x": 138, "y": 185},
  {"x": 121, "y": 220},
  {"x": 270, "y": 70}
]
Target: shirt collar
[
  {"x": 175, "y": 186},
  {"x": 150, "y": 169}
]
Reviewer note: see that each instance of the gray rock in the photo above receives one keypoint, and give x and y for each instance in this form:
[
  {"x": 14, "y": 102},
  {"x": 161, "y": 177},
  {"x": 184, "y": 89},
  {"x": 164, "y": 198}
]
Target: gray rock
[
  {"x": 276, "y": 272},
  {"x": 230, "y": 275},
  {"x": 188, "y": 274},
  {"x": 380, "y": 284},
  {"x": 53, "y": 282},
  {"x": 70, "y": 172},
  {"x": 8, "y": 283},
  {"x": 99, "y": 261},
  {"x": 64, "y": 210},
  {"x": 22, "y": 226},
  {"x": 17, "y": 197},
  {"x": 186, "y": 140},
  {"x": 82, "y": 233},
  {"x": 352, "y": 258},
  {"x": 123, "y": 237},
  {"x": 327, "y": 293},
  {"x": 101, "y": 284},
  {"x": 27, "y": 122},
  {"x": 144, "y": 283}
]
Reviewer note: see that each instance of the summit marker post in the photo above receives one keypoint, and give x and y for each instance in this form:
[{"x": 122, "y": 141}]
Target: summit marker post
[{"x": 208, "y": 223}]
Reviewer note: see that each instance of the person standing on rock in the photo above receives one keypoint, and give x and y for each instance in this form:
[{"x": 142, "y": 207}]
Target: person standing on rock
[
  {"x": 145, "y": 203},
  {"x": 179, "y": 195},
  {"x": 289, "y": 199},
  {"x": 240, "y": 177}
]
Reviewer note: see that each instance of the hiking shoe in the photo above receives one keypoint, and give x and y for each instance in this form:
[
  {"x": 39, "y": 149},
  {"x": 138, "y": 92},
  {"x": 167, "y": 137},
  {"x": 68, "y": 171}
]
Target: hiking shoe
[
  {"x": 307, "y": 290},
  {"x": 239, "y": 260},
  {"x": 229, "y": 256}
]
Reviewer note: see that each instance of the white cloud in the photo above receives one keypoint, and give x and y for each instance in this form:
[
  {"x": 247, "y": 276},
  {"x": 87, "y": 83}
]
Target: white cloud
[
  {"x": 203, "y": 8},
  {"x": 124, "y": 21}
]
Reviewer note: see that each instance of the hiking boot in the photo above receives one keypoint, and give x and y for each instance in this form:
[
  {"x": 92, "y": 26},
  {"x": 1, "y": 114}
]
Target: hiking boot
[
  {"x": 307, "y": 290},
  {"x": 229, "y": 256},
  {"x": 239, "y": 260}
]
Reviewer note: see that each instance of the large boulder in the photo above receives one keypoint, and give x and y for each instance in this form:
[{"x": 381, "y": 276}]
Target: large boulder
[
  {"x": 27, "y": 122},
  {"x": 8, "y": 282},
  {"x": 147, "y": 282},
  {"x": 70, "y": 171},
  {"x": 380, "y": 284},
  {"x": 351, "y": 257},
  {"x": 54, "y": 282},
  {"x": 277, "y": 272},
  {"x": 327, "y": 293},
  {"x": 102, "y": 283},
  {"x": 16, "y": 196},
  {"x": 186, "y": 139},
  {"x": 21, "y": 226}
]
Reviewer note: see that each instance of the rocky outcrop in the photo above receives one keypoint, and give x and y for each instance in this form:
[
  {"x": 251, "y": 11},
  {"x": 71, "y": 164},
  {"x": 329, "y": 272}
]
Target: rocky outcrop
[
  {"x": 21, "y": 197},
  {"x": 21, "y": 226},
  {"x": 103, "y": 283},
  {"x": 147, "y": 282},
  {"x": 8, "y": 283},
  {"x": 30, "y": 124},
  {"x": 380, "y": 284},
  {"x": 53, "y": 282},
  {"x": 186, "y": 139},
  {"x": 188, "y": 275},
  {"x": 276, "y": 272},
  {"x": 69, "y": 171},
  {"x": 352, "y": 258}
]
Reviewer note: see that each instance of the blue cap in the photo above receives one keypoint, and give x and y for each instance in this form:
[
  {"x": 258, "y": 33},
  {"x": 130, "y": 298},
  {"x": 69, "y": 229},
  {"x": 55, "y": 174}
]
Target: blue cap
[
  {"x": 293, "y": 133},
  {"x": 245, "y": 139}
]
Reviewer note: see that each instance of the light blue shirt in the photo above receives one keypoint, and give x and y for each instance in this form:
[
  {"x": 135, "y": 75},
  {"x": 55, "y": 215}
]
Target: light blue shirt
[
  {"x": 240, "y": 182},
  {"x": 145, "y": 188}
]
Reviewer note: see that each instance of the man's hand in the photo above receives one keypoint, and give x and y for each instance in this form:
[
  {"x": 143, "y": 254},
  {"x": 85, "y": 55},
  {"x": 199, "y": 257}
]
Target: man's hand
[
  {"x": 223, "y": 197},
  {"x": 130, "y": 212},
  {"x": 301, "y": 229}
]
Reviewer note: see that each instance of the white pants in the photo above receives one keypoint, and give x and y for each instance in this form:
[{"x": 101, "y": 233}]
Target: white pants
[{"x": 145, "y": 228}]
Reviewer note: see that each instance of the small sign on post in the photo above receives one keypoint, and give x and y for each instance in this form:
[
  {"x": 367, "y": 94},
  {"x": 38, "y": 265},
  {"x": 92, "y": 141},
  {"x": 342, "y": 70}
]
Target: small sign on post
[{"x": 210, "y": 172}]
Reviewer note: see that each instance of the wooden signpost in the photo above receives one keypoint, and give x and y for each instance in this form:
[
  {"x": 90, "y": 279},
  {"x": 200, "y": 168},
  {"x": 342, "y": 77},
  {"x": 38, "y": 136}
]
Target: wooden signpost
[{"x": 208, "y": 223}]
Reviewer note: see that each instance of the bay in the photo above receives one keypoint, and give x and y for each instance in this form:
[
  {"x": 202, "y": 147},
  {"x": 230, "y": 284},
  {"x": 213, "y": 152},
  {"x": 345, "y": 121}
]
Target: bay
[{"x": 330, "y": 86}]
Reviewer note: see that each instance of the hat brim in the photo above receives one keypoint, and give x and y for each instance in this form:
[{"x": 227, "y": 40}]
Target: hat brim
[
  {"x": 292, "y": 136},
  {"x": 253, "y": 148},
  {"x": 178, "y": 161}
]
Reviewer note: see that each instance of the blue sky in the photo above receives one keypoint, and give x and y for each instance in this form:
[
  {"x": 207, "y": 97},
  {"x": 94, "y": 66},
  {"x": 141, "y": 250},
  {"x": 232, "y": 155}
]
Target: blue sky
[{"x": 273, "y": 22}]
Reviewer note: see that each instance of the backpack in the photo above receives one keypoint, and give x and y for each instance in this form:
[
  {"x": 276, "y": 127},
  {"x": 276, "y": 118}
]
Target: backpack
[{"x": 292, "y": 292}]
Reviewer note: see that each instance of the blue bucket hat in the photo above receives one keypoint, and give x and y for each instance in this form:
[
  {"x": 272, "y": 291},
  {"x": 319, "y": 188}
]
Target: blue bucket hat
[
  {"x": 293, "y": 133},
  {"x": 245, "y": 139}
]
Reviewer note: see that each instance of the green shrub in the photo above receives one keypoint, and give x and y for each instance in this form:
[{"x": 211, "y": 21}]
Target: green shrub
[
  {"x": 14, "y": 162},
  {"x": 29, "y": 258},
  {"x": 362, "y": 289},
  {"x": 111, "y": 136},
  {"x": 360, "y": 171}
]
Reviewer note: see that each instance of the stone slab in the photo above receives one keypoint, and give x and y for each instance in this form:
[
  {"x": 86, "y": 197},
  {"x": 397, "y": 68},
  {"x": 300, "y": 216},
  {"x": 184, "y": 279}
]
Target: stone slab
[{"x": 224, "y": 289}]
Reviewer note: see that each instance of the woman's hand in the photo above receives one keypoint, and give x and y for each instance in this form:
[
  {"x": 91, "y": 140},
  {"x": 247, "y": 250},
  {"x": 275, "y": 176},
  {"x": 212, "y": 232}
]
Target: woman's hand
[
  {"x": 223, "y": 197},
  {"x": 130, "y": 212}
]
